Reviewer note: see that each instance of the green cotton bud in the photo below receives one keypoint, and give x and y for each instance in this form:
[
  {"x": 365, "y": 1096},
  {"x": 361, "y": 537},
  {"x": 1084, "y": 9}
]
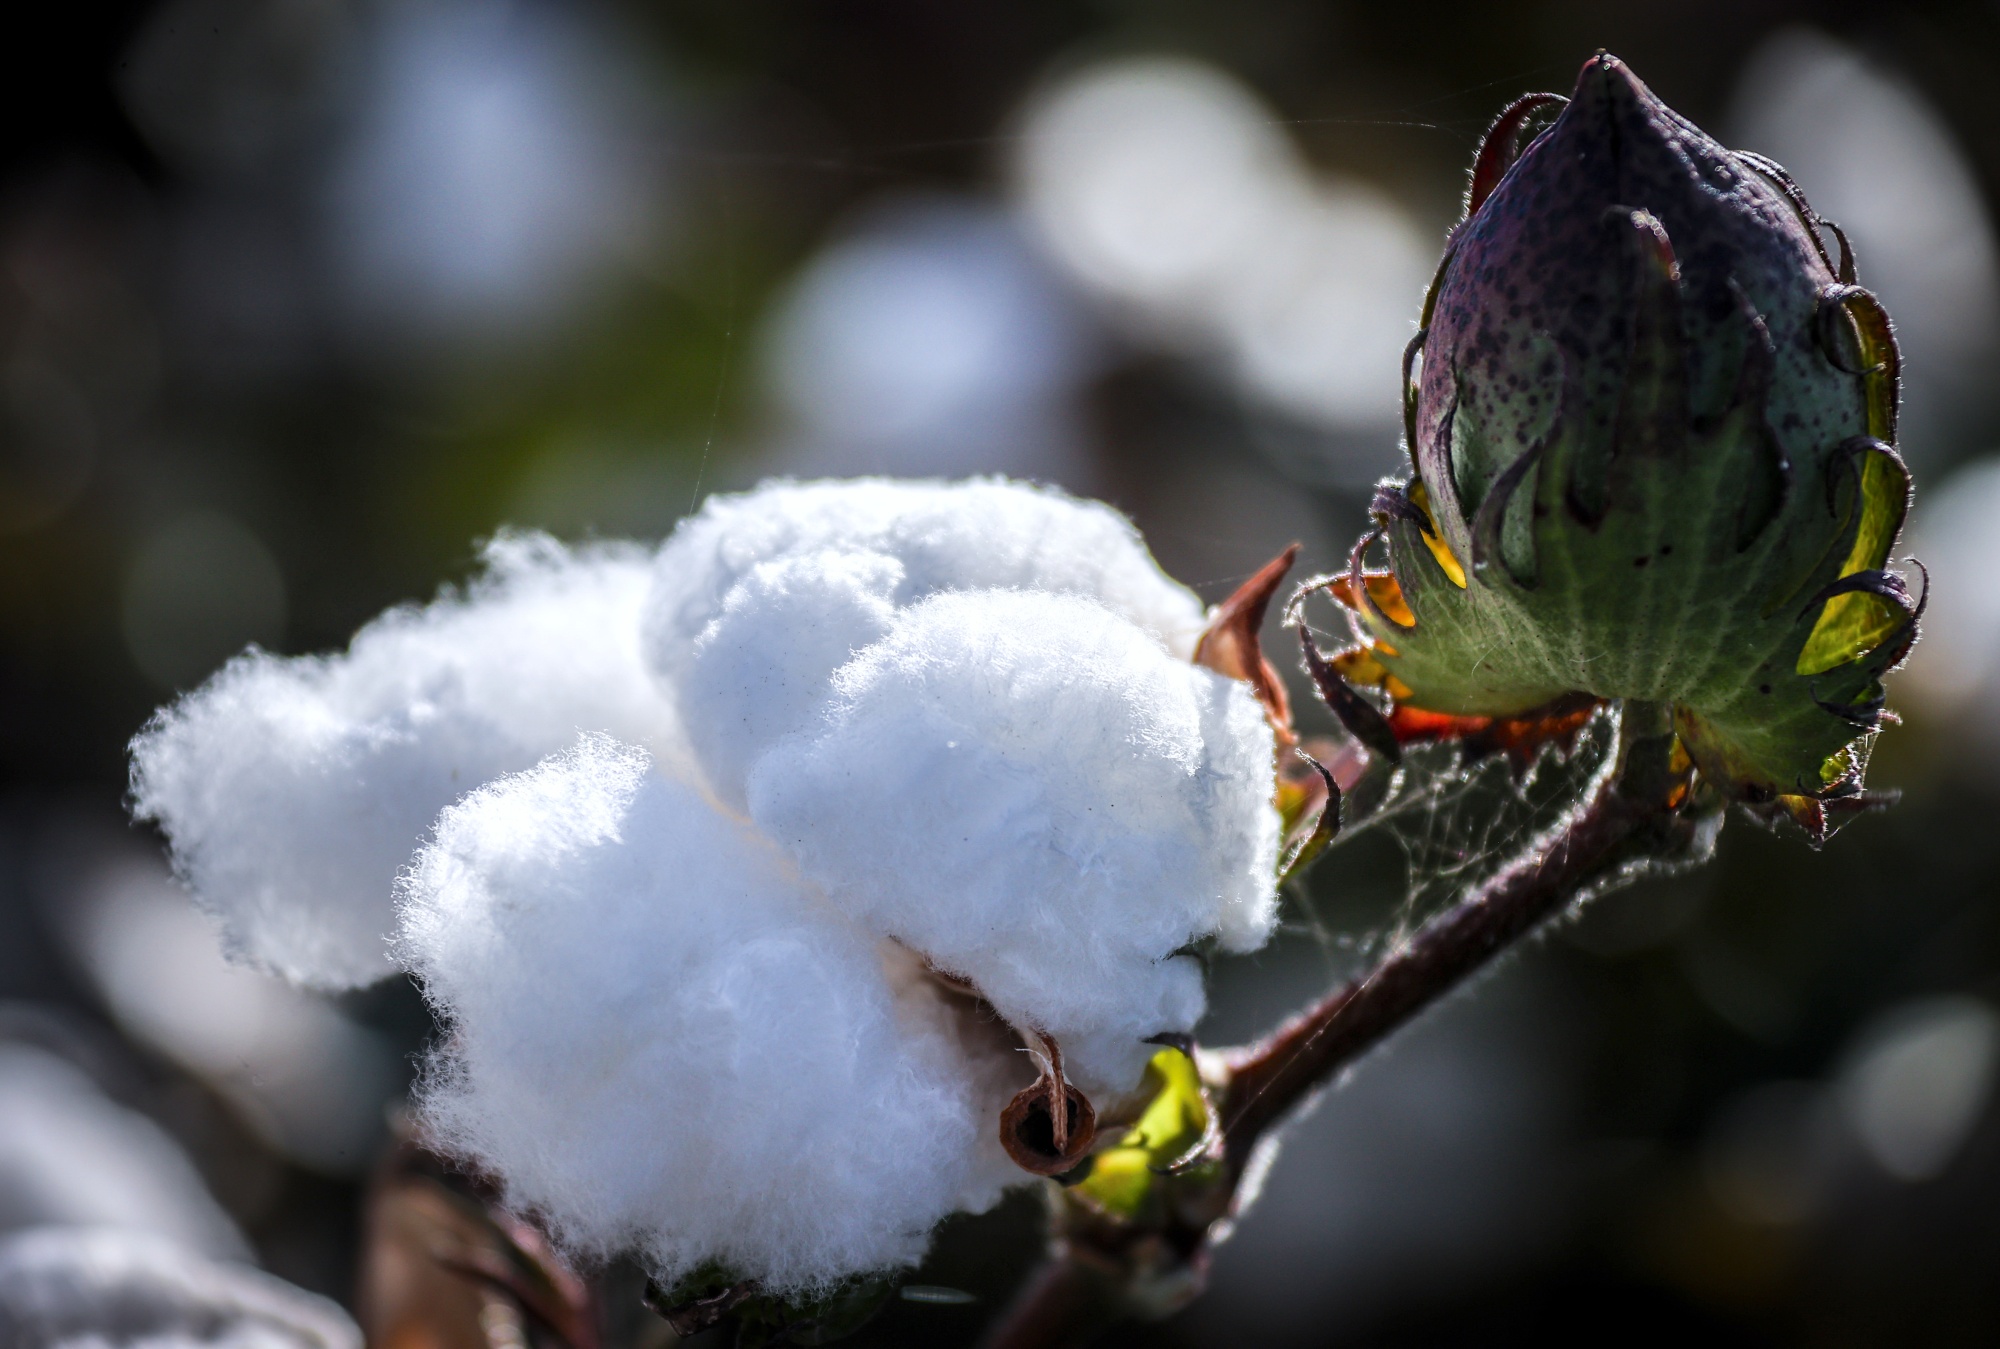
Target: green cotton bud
[{"x": 1653, "y": 446}]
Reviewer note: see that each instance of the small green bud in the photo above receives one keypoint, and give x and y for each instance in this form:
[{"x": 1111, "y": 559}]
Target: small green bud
[{"x": 1653, "y": 449}]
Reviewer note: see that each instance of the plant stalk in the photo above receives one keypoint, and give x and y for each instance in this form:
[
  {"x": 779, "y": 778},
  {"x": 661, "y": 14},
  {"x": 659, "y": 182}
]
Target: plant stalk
[
  {"x": 1635, "y": 800},
  {"x": 1269, "y": 1079}
]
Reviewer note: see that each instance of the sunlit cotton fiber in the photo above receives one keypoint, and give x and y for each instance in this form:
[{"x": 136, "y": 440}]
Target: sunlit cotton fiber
[
  {"x": 967, "y": 710},
  {"x": 664, "y": 1041},
  {"x": 716, "y": 820},
  {"x": 1032, "y": 792},
  {"x": 762, "y": 596},
  {"x": 294, "y": 790}
]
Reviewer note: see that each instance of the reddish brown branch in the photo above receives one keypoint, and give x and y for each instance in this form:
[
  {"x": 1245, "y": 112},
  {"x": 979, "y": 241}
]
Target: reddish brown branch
[
  {"x": 1067, "y": 1303},
  {"x": 1272, "y": 1077},
  {"x": 1631, "y": 807}
]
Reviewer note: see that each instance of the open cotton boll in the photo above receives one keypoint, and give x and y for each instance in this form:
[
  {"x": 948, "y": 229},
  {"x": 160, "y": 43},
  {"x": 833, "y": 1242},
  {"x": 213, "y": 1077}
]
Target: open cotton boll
[
  {"x": 1032, "y": 792},
  {"x": 795, "y": 577},
  {"x": 662, "y": 1041},
  {"x": 294, "y": 790}
]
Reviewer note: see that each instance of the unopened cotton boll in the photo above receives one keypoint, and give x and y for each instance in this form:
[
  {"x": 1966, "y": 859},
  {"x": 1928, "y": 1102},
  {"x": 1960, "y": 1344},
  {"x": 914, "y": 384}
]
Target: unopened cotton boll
[
  {"x": 1032, "y": 792},
  {"x": 796, "y": 577},
  {"x": 663, "y": 1041},
  {"x": 294, "y": 790}
]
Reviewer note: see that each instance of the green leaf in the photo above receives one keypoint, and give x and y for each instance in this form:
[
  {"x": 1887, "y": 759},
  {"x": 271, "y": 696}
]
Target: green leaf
[{"x": 1174, "y": 1123}]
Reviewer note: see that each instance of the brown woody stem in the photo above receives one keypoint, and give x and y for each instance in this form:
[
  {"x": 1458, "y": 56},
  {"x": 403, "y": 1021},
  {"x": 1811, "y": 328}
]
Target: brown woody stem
[
  {"x": 1634, "y": 802},
  {"x": 1267, "y": 1080},
  {"x": 1066, "y": 1304}
]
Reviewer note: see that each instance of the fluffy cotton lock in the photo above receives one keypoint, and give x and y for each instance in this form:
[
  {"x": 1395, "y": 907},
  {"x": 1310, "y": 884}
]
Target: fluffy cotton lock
[
  {"x": 968, "y": 711},
  {"x": 845, "y": 737},
  {"x": 762, "y": 596},
  {"x": 1031, "y": 791},
  {"x": 664, "y": 1041},
  {"x": 294, "y": 790}
]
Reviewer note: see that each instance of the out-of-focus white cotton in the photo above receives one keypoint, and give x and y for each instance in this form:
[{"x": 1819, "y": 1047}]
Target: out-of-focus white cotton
[
  {"x": 294, "y": 790},
  {"x": 1173, "y": 195},
  {"x": 110, "y": 1288},
  {"x": 664, "y": 1041},
  {"x": 71, "y": 1156},
  {"x": 1030, "y": 791}
]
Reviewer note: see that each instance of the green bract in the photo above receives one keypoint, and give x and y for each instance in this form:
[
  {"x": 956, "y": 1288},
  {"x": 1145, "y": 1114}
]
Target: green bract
[
  {"x": 1653, "y": 442},
  {"x": 1123, "y": 1179}
]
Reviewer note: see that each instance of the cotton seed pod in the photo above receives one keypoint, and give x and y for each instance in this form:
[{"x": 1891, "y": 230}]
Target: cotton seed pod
[{"x": 1653, "y": 449}]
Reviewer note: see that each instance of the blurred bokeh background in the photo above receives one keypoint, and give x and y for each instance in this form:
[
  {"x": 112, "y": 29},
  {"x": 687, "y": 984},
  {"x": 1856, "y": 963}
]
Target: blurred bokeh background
[{"x": 301, "y": 298}]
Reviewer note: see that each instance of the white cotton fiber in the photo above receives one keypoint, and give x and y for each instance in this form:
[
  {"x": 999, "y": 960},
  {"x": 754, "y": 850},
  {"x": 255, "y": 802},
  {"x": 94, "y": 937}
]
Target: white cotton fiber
[
  {"x": 1031, "y": 791},
  {"x": 294, "y": 790},
  {"x": 795, "y": 577},
  {"x": 763, "y": 664},
  {"x": 663, "y": 1041},
  {"x": 683, "y": 840}
]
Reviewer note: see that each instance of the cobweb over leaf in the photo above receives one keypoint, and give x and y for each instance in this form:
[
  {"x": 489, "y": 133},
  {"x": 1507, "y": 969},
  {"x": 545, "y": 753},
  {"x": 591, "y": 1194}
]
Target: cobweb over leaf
[{"x": 1430, "y": 830}]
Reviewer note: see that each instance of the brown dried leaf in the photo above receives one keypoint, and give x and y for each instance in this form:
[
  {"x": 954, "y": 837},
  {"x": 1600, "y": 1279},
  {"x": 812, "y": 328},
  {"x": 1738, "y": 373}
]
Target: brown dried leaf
[
  {"x": 445, "y": 1267},
  {"x": 1230, "y": 644}
]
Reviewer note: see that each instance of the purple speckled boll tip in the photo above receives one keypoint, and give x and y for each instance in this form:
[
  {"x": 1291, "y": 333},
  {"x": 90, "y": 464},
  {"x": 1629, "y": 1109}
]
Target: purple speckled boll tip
[
  {"x": 1655, "y": 431},
  {"x": 1539, "y": 287}
]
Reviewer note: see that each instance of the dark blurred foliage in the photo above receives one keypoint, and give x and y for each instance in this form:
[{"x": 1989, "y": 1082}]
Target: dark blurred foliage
[{"x": 1547, "y": 1160}]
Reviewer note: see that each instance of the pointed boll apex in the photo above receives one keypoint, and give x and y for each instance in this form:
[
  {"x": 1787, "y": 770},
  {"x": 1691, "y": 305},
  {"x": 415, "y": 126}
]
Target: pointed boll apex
[{"x": 1651, "y": 416}]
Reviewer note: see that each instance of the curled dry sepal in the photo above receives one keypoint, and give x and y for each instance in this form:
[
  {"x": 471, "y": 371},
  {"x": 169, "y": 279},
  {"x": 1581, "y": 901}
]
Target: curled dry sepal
[{"x": 782, "y": 891}]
